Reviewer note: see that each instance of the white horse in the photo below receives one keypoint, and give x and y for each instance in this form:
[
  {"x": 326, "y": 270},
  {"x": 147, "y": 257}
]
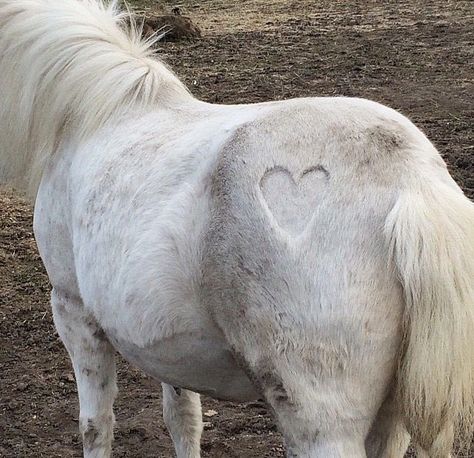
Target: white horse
[{"x": 313, "y": 252}]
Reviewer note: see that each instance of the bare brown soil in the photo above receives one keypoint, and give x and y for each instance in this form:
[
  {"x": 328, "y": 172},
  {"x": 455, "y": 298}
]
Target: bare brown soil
[{"x": 414, "y": 56}]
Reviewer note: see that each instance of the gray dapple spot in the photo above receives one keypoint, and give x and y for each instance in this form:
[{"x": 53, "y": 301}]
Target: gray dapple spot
[{"x": 292, "y": 197}]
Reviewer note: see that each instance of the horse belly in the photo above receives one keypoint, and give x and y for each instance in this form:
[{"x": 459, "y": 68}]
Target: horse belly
[{"x": 200, "y": 363}]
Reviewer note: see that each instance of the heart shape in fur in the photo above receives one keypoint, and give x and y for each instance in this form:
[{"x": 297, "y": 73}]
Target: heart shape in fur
[{"x": 290, "y": 197}]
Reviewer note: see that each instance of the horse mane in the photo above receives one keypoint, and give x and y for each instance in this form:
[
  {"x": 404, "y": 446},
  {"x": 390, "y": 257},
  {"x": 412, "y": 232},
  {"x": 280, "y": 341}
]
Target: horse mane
[{"x": 67, "y": 68}]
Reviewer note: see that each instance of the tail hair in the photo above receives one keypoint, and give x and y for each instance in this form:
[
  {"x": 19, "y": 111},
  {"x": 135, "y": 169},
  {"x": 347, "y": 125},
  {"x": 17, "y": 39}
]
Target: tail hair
[
  {"x": 430, "y": 232},
  {"x": 68, "y": 67}
]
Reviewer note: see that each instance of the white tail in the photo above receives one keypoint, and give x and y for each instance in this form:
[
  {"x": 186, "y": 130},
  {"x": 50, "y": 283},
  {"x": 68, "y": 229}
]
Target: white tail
[
  {"x": 431, "y": 235},
  {"x": 67, "y": 68}
]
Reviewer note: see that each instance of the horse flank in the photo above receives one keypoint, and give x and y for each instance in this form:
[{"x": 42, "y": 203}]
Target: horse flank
[{"x": 75, "y": 77}]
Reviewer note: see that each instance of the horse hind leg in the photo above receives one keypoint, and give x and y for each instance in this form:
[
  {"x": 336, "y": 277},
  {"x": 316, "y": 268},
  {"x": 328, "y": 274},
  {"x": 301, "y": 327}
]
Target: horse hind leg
[
  {"x": 388, "y": 437},
  {"x": 392, "y": 443},
  {"x": 304, "y": 441},
  {"x": 93, "y": 360},
  {"x": 183, "y": 418},
  {"x": 310, "y": 428},
  {"x": 444, "y": 441}
]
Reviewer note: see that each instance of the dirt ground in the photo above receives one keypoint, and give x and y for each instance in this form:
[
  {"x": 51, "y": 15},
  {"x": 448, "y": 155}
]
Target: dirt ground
[{"x": 414, "y": 56}]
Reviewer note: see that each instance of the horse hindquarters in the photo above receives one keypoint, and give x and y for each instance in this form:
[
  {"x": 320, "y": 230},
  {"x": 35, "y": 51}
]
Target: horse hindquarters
[
  {"x": 339, "y": 245},
  {"x": 313, "y": 317}
]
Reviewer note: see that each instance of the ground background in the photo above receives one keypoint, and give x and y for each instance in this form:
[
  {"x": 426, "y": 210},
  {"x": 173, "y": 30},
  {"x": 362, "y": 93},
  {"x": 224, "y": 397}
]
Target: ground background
[{"x": 414, "y": 56}]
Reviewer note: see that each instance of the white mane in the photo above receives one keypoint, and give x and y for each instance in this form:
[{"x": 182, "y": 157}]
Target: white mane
[{"x": 74, "y": 76}]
